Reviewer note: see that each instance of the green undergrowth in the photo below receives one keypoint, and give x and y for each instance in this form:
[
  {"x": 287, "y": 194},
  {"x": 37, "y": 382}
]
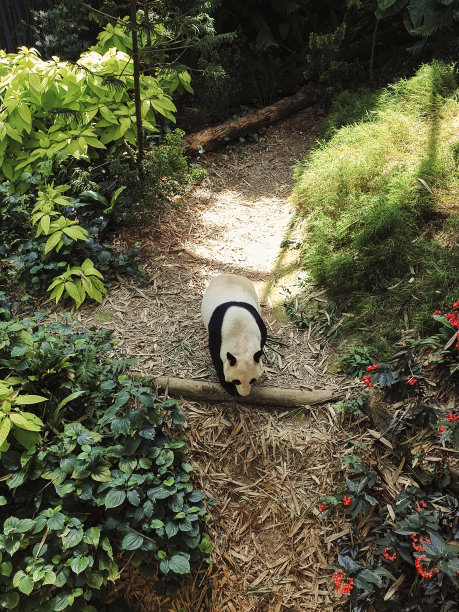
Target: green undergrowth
[
  {"x": 91, "y": 478},
  {"x": 378, "y": 197}
]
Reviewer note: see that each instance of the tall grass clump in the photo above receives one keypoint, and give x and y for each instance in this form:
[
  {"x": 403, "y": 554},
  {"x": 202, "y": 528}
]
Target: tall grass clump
[{"x": 379, "y": 201}]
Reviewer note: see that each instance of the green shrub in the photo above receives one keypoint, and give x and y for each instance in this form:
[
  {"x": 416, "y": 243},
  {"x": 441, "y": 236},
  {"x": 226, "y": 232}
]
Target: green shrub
[
  {"x": 328, "y": 73},
  {"x": 99, "y": 476},
  {"x": 65, "y": 30},
  {"x": 165, "y": 173},
  {"x": 55, "y": 110},
  {"x": 39, "y": 241}
]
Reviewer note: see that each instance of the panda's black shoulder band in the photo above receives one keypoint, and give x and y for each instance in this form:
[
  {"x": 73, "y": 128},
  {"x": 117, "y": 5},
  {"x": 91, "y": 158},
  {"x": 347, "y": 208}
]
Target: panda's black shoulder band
[
  {"x": 215, "y": 335},
  {"x": 216, "y": 320}
]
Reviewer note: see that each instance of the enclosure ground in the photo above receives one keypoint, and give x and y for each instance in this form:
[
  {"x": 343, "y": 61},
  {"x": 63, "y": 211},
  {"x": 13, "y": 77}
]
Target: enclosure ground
[{"x": 265, "y": 468}]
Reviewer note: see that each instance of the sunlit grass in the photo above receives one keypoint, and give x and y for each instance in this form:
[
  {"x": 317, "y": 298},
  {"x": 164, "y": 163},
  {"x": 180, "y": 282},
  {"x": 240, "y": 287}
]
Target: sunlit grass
[{"x": 380, "y": 199}]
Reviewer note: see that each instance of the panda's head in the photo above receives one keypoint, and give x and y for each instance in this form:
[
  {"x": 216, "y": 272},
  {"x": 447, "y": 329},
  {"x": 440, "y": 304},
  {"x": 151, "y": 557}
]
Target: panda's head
[{"x": 243, "y": 370}]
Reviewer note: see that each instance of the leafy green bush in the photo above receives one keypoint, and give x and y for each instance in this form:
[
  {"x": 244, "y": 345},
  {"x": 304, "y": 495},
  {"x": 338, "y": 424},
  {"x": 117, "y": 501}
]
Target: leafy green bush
[
  {"x": 65, "y": 30},
  {"x": 56, "y": 110},
  {"x": 53, "y": 112},
  {"x": 165, "y": 173},
  {"x": 118, "y": 36},
  {"x": 37, "y": 258},
  {"x": 370, "y": 195},
  {"x": 92, "y": 470}
]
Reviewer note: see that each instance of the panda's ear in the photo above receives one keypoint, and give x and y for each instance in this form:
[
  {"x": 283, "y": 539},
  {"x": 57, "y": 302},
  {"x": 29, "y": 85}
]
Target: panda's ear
[
  {"x": 231, "y": 359},
  {"x": 258, "y": 355}
]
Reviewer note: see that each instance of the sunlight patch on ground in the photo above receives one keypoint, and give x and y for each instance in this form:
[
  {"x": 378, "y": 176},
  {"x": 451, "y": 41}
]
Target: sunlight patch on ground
[{"x": 232, "y": 237}]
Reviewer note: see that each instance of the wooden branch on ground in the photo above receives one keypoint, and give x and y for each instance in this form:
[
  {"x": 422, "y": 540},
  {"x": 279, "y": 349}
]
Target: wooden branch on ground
[
  {"x": 218, "y": 135},
  {"x": 266, "y": 396}
]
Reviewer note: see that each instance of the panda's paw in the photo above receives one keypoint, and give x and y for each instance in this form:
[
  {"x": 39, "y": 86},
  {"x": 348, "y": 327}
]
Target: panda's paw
[{"x": 230, "y": 388}]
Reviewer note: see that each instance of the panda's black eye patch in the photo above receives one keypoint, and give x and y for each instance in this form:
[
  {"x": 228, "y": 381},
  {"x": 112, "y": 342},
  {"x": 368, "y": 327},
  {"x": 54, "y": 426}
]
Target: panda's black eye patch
[
  {"x": 252, "y": 381},
  {"x": 236, "y": 382}
]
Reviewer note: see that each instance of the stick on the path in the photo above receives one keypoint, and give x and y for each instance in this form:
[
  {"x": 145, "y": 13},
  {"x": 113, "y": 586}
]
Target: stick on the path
[{"x": 266, "y": 396}]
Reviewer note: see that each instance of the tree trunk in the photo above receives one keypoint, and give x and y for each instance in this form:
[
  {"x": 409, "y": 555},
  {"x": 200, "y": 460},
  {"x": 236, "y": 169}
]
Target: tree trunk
[
  {"x": 217, "y": 135},
  {"x": 138, "y": 111},
  {"x": 266, "y": 396}
]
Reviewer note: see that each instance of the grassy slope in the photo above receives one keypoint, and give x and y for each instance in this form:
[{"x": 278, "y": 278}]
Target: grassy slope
[{"x": 380, "y": 201}]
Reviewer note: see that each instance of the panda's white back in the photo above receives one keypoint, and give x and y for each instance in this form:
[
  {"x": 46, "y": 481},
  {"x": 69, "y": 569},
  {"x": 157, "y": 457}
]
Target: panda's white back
[{"x": 227, "y": 288}]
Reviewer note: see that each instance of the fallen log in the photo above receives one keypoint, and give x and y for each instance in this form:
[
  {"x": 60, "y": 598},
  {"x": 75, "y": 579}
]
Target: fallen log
[
  {"x": 266, "y": 396},
  {"x": 213, "y": 137}
]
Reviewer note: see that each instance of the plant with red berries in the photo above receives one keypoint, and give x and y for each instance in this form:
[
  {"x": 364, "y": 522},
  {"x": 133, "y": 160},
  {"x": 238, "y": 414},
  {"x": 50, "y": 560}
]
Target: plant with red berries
[
  {"x": 412, "y": 539},
  {"x": 352, "y": 578},
  {"x": 448, "y": 426},
  {"x": 356, "y": 497},
  {"x": 448, "y": 429},
  {"x": 444, "y": 346},
  {"x": 389, "y": 555},
  {"x": 328, "y": 502},
  {"x": 400, "y": 371}
]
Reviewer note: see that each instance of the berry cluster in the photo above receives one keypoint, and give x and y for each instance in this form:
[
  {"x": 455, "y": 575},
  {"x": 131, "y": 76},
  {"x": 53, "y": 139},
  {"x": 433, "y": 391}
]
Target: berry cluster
[
  {"x": 411, "y": 380},
  {"x": 347, "y": 500},
  {"x": 425, "y": 574},
  {"x": 451, "y": 417},
  {"x": 417, "y": 544},
  {"x": 422, "y": 504},
  {"x": 372, "y": 368},
  {"x": 367, "y": 381},
  {"x": 339, "y": 579},
  {"x": 323, "y": 506},
  {"x": 388, "y": 556},
  {"x": 452, "y": 317}
]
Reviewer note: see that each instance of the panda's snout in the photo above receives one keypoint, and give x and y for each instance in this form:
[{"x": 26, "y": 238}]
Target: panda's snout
[{"x": 244, "y": 390}]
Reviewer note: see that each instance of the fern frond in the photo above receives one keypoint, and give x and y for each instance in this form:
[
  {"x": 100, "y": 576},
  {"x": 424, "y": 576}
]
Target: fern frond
[
  {"x": 89, "y": 367},
  {"x": 119, "y": 366},
  {"x": 210, "y": 43},
  {"x": 81, "y": 67},
  {"x": 112, "y": 81},
  {"x": 264, "y": 38},
  {"x": 69, "y": 114},
  {"x": 286, "y": 7}
]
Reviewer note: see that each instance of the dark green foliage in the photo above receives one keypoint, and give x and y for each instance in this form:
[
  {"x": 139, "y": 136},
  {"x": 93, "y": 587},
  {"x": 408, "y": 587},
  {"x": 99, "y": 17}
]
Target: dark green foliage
[
  {"x": 430, "y": 20},
  {"x": 357, "y": 359},
  {"x": 103, "y": 478},
  {"x": 5, "y": 306},
  {"x": 329, "y": 73},
  {"x": 422, "y": 526},
  {"x": 266, "y": 59},
  {"x": 64, "y": 30},
  {"x": 23, "y": 252},
  {"x": 165, "y": 174}
]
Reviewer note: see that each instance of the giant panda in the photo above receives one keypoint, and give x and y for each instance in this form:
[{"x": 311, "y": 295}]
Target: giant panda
[{"x": 237, "y": 334}]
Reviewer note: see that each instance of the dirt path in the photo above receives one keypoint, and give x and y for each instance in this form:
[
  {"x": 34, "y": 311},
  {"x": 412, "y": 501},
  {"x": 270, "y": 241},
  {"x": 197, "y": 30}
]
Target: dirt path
[{"x": 266, "y": 469}]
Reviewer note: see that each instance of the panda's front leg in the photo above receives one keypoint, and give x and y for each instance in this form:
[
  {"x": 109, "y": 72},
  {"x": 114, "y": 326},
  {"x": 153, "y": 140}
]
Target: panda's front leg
[{"x": 230, "y": 387}]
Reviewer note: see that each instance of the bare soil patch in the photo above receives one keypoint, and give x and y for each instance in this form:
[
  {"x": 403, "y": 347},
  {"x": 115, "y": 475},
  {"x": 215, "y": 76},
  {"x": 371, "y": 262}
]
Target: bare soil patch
[{"x": 265, "y": 468}]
